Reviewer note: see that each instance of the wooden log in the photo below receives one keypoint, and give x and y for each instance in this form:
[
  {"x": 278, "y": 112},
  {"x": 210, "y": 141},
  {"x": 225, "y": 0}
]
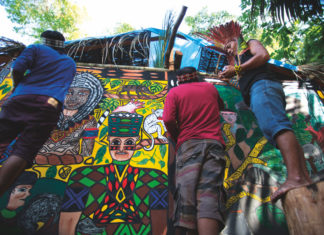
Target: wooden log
[
  {"x": 177, "y": 59},
  {"x": 173, "y": 36},
  {"x": 304, "y": 210}
]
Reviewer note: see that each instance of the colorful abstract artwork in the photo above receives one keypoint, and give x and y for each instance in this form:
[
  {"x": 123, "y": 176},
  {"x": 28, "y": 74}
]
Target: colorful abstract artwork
[{"x": 108, "y": 166}]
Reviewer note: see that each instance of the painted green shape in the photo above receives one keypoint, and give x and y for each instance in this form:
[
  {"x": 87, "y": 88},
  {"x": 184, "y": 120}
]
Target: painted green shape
[
  {"x": 124, "y": 130},
  {"x": 101, "y": 170},
  {"x": 153, "y": 184},
  {"x": 86, "y": 171},
  {"x": 103, "y": 132},
  {"x": 125, "y": 120},
  {"x": 147, "y": 200},
  {"x": 101, "y": 153},
  {"x": 90, "y": 199},
  {"x": 142, "y": 173},
  {"x": 101, "y": 198},
  {"x": 120, "y": 229},
  {"x": 51, "y": 172},
  {"x": 87, "y": 182},
  {"x": 115, "y": 83},
  {"x": 162, "y": 164},
  {"x": 103, "y": 182},
  {"x": 137, "y": 199},
  {"x": 137, "y": 154},
  {"x": 134, "y": 82},
  {"x": 162, "y": 149},
  {"x": 146, "y": 83},
  {"x": 140, "y": 232},
  {"x": 153, "y": 174},
  {"x": 266, "y": 213},
  {"x": 156, "y": 87},
  {"x": 139, "y": 184},
  {"x": 143, "y": 161}
]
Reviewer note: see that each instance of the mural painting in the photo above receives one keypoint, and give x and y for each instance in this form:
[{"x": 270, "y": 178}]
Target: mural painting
[{"x": 108, "y": 166}]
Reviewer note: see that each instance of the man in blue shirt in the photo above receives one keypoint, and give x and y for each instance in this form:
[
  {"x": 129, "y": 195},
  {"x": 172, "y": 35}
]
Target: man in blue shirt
[{"x": 42, "y": 75}]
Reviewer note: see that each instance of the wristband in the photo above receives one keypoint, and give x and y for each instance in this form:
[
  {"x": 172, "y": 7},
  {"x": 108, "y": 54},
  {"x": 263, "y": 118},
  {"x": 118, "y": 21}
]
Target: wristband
[{"x": 238, "y": 69}]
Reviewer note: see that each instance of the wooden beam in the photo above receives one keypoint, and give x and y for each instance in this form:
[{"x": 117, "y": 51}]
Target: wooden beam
[{"x": 304, "y": 210}]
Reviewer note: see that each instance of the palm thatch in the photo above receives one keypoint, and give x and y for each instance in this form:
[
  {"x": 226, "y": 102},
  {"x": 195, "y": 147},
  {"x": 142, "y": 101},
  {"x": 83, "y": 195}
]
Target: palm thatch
[
  {"x": 130, "y": 48},
  {"x": 314, "y": 72},
  {"x": 292, "y": 9},
  {"x": 9, "y": 49}
]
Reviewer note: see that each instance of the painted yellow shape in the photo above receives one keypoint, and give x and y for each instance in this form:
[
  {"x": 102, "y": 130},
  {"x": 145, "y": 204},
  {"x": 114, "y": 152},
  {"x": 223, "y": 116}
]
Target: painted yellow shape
[
  {"x": 238, "y": 173},
  {"x": 104, "y": 208},
  {"x": 39, "y": 225},
  {"x": 231, "y": 140},
  {"x": 115, "y": 221},
  {"x": 242, "y": 194},
  {"x": 258, "y": 147},
  {"x": 120, "y": 191}
]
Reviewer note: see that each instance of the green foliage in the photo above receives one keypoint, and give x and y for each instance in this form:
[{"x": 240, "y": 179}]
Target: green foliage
[
  {"x": 161, "y": 45},
  {"x": 32, "y": 17},
  {"x": 156, "y": 87},
  {"x": 123, "y": 28},
  {"x": 202, "y": 21},
  {"x": 294, "y": 42},
  {"x": 109, "y": 103}
]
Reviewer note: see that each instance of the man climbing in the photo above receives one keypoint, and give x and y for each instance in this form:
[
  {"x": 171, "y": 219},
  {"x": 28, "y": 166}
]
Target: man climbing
[
  {"x": 191, "y": 116},
  {"x": 264, "y": 94},
  {"x": 41, "y": 75}
]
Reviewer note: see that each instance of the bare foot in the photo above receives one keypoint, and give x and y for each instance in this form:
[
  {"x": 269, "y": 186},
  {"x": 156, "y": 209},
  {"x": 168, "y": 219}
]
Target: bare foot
[{"x": 286, "y": 186}]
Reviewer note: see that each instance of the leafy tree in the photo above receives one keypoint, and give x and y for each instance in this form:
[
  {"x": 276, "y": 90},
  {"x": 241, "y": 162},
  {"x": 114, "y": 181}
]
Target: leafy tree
[
  {"x": 32, "y": 17},
  {"x": 302, "y": 10},
  {"x": 123, "y": 28},
  {"x": 294, "y": 42},
  {"x": 202, "y": 21}
]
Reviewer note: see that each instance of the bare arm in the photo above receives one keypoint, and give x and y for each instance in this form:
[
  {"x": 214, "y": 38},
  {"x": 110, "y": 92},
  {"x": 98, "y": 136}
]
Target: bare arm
[
  {"x": 68, "y": 222},
  {"x": 259, "y": 58}
]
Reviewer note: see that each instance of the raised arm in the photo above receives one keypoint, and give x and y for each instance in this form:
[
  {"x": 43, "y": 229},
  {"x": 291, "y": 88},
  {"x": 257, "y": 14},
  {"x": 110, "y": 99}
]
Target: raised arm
[{"x": 259, "y": 58}]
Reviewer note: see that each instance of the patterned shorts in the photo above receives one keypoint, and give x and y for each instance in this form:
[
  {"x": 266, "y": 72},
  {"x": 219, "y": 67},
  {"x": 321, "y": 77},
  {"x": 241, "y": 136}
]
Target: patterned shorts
[{"x": 200, "y": 166}]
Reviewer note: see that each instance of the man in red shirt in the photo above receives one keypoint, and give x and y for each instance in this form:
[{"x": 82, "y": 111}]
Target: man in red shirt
[{"x": 191, "y": 116}]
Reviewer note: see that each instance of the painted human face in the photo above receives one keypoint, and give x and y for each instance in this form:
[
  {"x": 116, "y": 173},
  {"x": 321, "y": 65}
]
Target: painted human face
[
  {"x": 18, "y": 196},
  {"x": 231, "y": 47},
  {"x": 76, "y": 97},
  {"x": 122, "y": 148},
  {"x": 229, "y": 117}
]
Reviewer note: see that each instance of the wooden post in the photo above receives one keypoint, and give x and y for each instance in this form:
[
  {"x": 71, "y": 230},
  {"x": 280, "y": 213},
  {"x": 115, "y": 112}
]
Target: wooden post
[
  {"x": 177, "y": 59},
  {"x": 173, "y": 36},
  {"x": 304, "y": 210}
]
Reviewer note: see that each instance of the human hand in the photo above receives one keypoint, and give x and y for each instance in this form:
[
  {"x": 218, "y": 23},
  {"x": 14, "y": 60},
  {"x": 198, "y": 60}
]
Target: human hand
[{"x": 228, "y": 72}]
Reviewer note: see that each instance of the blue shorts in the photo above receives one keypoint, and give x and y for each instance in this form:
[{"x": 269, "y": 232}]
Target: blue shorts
[{"x": 268, "y": 105}]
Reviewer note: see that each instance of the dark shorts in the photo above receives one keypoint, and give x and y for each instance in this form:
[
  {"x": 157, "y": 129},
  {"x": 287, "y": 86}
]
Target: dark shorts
[
  {"x": 31, "y": 118},
  {"x": 200, "y": 166},
  {"x": 268, "y": 105}
]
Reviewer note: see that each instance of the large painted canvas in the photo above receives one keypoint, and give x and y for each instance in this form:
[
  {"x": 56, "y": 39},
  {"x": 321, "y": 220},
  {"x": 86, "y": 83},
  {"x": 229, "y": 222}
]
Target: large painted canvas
[{"x": 108, "y": 166}]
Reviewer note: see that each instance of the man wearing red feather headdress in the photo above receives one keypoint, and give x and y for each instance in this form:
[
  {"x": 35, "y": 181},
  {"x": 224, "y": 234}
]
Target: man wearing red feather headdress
[{"x": 264, "y": 94}]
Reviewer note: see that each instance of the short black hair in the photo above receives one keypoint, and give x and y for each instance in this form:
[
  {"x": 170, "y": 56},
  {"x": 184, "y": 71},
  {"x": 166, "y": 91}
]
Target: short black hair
[
  {"x": 187, "y": 70},
  {"x": 52, "y": 34}
]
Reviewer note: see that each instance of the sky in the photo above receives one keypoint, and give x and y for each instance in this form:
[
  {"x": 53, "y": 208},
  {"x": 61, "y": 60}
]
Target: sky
[{"x": 102, "y": 16}]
